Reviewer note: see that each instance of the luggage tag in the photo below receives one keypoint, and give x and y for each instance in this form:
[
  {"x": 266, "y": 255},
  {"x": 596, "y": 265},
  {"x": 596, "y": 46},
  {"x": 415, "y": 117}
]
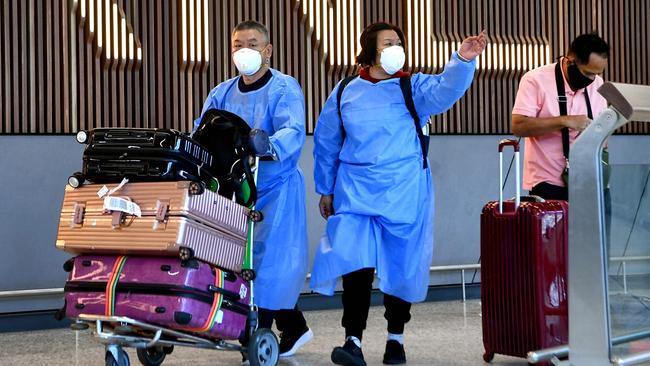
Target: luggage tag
[
  {"x": 104, "y": 191},
  {"x": 118, "y": 205},
  {"x": 122, "y": 205}
]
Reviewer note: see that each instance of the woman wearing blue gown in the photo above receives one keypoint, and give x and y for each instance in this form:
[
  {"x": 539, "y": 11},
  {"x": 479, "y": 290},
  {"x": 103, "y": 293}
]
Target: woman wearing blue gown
[{"x": 376, "y": 190}]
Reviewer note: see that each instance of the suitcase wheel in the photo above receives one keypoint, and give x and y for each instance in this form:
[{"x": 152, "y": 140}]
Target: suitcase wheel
[
  {"x": 68, "y": 265},
  {"x": 255, "y": 216},
  {"x": 76, "y": 180},
  {"x": 263, "y": 348},
  {"x": 185, "y": 253},
  {"x": 488, "y": 356},
  {"x": 248, "y": 274},
  {"x": 152, "y": 356},
  {"x": 196, "y": 188}
]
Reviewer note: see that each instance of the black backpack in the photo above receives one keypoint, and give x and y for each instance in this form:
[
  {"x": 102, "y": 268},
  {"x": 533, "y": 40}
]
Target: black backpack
[
  {"x": 225, "y": 135},
  {"x": 405, "y": 86}
]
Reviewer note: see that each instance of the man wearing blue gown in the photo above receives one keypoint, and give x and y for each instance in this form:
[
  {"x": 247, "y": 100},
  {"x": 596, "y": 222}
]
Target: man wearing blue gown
[
  {"x": 376, "y": 192},
  {"x": 272, "y": 103}
]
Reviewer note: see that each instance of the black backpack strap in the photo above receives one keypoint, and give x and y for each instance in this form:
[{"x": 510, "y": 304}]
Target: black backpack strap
[
  {"x": 339, "y": 93},
  {"x": 561, "y": 99},
  {"x": 405, "y": 86},
  {"x": 589, "y": 114}
]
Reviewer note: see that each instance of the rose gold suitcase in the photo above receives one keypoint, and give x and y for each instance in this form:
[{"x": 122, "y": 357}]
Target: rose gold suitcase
[{"x": 176, "y": 218}]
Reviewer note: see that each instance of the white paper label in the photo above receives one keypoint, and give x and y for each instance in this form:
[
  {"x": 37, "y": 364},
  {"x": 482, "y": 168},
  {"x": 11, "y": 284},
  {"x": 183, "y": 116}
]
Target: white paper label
[
  {"x": 219, "y": 317},
  {"x": 243, "y": 290},
  {"x": 122, "y": 205},
  {"x": 102, "y": 192},
  {"x": 105, "y": 192}
]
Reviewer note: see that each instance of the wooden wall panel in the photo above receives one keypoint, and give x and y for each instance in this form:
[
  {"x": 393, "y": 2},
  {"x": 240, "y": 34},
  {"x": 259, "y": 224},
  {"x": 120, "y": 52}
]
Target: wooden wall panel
[{"x": 67, "y": 65}]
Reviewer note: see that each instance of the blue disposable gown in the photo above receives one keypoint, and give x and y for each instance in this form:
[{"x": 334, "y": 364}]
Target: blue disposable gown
[
  {"x": 372, "y": 163},
  {"x": 280, "y": 254}
]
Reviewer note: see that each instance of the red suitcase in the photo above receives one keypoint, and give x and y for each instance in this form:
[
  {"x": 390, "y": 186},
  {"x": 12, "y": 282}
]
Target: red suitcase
[{"x": 524, "y": 258}]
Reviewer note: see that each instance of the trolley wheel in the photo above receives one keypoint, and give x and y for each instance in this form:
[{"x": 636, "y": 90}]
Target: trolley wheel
[
  {"x": 488, "y": 356},
  {"x": 255, "y": 216},
  {"x": 196, "y": 188},
  {"x": 248, "y": 274},
  {"x": 153, "y": 356},
  {"x": 185, "y": 253},
  {"x": 122, "y": 358},
  {"x": 263, "y": 349}
]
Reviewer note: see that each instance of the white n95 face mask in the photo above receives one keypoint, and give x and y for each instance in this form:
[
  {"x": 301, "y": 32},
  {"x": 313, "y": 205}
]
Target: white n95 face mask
[
  {"x": 392, "y": 59},
  {"x": 247, "y": 61}
]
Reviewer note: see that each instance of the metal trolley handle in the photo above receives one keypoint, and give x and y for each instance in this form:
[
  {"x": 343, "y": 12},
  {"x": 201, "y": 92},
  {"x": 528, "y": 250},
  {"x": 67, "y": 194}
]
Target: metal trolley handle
[{"x": 503, "y": 143}]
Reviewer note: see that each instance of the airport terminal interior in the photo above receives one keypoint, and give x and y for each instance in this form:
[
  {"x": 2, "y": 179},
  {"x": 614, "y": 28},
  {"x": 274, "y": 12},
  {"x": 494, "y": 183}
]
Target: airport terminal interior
[{"x": 224, "y": 140}]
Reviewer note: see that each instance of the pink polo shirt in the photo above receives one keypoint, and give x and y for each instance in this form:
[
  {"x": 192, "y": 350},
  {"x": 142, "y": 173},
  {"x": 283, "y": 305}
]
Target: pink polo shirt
[{"x": 537, "y": 97}]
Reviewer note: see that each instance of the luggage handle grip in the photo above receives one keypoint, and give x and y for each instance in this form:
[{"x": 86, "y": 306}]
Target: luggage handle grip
[
  {"x": 508, "y": 142},
  {"x": 162, "y": 208},
  {"x": 117, "y": 218},
  {"x": 79, "y": 211},
  {"x": 503, "y": 143}
]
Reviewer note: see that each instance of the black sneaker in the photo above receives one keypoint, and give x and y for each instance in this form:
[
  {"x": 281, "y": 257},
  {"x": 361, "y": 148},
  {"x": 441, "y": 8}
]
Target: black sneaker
[
  {"x": 348, "y": 355},
  {"x": 244, "y": 360},
  {"x": 394, "y": 354},
  {"x": 289, "y": 343}
]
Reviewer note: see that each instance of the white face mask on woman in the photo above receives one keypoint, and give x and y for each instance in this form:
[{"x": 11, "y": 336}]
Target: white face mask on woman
[
  {"x": 248, "y": 61},
  {"x": 392, "y": 59}
]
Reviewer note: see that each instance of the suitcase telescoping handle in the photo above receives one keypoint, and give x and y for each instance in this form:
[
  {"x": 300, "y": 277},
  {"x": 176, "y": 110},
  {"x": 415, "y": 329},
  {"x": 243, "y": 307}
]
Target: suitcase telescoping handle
[{"x": 503, "y": 143}]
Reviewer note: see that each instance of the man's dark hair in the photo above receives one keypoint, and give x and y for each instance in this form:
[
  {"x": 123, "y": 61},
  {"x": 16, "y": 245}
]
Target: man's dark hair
[
  {"x": 586, "y": 44},
  {"x": 368, "y": 42},
  {"x": 251, "y": 24}
]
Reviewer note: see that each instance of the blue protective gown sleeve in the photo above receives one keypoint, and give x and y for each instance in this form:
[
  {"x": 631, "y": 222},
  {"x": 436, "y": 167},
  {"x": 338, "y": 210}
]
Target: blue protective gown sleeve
[
  {"x": 288, "y": 122},
  {"x": 328, "y": 140},
  {"x": 435, "y": 94}
]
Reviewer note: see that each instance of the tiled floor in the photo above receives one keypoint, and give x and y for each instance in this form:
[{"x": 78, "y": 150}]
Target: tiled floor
[{"x": 440, "y": 333}]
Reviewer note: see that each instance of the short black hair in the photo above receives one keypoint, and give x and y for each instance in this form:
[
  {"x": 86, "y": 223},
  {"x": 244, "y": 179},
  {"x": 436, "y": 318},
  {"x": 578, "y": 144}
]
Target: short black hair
[
  {"x": 252, "y": 24},
  {"x": 368, "y": 42},
  {"x": 585, "y": 44}
]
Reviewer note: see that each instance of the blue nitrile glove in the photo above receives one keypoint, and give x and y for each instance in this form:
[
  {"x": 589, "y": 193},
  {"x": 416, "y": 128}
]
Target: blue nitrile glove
[{"x": 259, "y": 142}]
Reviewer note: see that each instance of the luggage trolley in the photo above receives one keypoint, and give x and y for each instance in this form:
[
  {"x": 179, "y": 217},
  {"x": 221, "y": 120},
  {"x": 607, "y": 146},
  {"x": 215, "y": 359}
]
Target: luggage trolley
[{"x": 154, "y": 343}]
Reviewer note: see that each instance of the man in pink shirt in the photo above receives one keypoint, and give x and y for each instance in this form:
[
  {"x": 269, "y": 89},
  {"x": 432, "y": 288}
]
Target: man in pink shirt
[{"x": 537, "y": 115}]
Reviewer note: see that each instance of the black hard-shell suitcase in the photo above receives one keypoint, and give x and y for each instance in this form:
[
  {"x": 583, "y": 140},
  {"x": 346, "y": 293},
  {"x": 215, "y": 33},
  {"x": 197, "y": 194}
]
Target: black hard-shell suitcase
[{"x": 142, "y": 154}]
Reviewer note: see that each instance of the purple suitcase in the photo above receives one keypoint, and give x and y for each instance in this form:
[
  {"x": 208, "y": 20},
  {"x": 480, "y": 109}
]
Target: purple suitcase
[{"x": 189, "y": 296}]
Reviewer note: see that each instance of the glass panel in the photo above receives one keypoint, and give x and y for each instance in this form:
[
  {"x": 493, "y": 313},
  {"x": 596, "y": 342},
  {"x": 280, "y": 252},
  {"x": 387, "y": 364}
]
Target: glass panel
[{"x": 628, "y": 222}]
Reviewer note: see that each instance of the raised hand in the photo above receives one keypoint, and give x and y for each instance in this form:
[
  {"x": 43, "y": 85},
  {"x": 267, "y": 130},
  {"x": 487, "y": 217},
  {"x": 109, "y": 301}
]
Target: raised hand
[{"x": 473, "y": 46}]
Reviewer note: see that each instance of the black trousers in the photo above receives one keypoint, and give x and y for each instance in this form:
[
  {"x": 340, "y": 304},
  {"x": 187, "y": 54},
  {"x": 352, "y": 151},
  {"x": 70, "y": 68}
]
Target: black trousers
[
  {"x": 357, "y": 287},
  {"x": 550, "y": 192},
  {"x": 290, "y": 321}
]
